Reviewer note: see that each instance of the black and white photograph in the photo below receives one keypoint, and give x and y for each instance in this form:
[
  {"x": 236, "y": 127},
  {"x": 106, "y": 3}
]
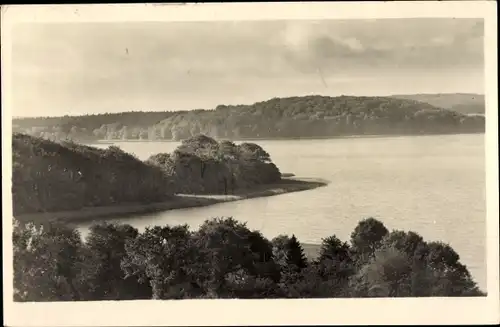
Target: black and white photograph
[{"x": 163, "y": 160}]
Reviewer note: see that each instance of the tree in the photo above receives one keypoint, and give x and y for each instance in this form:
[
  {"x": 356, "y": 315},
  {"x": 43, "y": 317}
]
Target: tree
[
  {"x": 257, "y": 278},
  {"x": 332, "y": 248},
  {"x": 255, "y": 166},
  {"x": 252, "y": 151},
  {"x": 438, "y": 272},
  {"x": 280, "y": 249},
  {"x": 312, "y": 283},
  {"x": 201, "y": 164},
  {"x": 406, "y": 242},
  {"x": 335, "y": 261},
  {"x": 228, "y": 148},
  {"x": 263, "y": 264},
  {"x": 102, "y": 273},
  {"x": 46, "y": 262},
  {"x": 229, "y": 154},
  {"x": 218, "y": 240},
  {"x": 160, "y": 159},
  {"x": 432, "y": 269},
  {"x": 125, "y": 133},
  {"x": 176, "y": 133},
  {"x": 164, "y": 256},
  {"x": 143, "y": 134},
  {"x": 194, "y": 129},
  {"x": 366, "y": 237},
  {"x": 74, "y": 132},
  {"x": 200, "y": 145},
  {"x": 295, "y": 258},
  {"x": 164, "y": 133},
  {"x": 387, "y": 274},
  {"x": 245, "y": 286},
  {"x": 152, "y": 133},
  {"x": 188, "y": 170}
]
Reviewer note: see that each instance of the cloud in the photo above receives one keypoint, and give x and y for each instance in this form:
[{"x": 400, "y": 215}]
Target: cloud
[
  {"x": 355, "y": 45},
  {"x": 309, "y": 46},
  {"x": 269, "y": 48},
  {"x": 54, "y": 63}
]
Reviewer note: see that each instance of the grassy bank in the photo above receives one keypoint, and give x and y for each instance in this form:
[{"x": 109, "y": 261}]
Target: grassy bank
[{"x": 180, "y": 201}]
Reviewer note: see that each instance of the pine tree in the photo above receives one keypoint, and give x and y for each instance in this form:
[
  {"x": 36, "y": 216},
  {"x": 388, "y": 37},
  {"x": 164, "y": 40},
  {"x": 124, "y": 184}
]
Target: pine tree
[
  {"x": 332, "y": 248},
  {"x": 335, "y": 259},
  {"x": 295, "y": 255}
]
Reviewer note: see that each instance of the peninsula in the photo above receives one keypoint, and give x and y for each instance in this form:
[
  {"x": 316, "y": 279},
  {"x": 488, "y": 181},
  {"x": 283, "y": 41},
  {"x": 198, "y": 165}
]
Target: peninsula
[{"x": 72, "y": 182}]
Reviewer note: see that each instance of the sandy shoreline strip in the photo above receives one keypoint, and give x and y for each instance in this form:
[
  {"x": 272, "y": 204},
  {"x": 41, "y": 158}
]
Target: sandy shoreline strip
[{"x": 180, "y": 201}]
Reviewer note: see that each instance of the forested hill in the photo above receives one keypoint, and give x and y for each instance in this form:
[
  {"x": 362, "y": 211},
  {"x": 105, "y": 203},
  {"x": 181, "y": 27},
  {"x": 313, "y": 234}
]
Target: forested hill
[
  {"x": 465, "y": 103},
  {"x": 293, "y": 117}
]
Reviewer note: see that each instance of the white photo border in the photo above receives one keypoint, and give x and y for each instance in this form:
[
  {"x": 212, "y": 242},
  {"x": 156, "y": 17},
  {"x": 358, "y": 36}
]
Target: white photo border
[{"x": 259, "y": 312}]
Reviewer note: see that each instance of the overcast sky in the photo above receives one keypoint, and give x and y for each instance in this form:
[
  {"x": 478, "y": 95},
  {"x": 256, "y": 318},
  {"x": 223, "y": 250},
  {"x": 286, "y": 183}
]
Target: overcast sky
[{"x": 90, "y": 68}]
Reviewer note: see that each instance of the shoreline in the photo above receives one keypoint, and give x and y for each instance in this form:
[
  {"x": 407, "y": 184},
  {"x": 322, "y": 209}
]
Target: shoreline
[
  {"x": 180, "y": 201},
  {"x": 353, "y": 136}
]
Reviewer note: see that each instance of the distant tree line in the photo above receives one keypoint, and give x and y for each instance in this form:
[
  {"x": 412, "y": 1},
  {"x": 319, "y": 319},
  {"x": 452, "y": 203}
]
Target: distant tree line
[
  {"x": 56, "y": 176},
  {"x": 225, "y": 259},
  {"x": 464, "y": 103},
  {"x": 293, "y": 117}
]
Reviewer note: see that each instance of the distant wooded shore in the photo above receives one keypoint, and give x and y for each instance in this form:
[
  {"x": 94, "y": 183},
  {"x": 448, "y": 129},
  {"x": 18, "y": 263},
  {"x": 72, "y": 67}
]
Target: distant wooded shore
[{"x": 303, "y": 117}]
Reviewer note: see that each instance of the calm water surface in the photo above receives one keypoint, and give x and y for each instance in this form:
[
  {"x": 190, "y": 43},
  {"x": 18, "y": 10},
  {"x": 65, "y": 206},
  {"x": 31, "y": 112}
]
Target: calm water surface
[{"x": 433, "y": 185}]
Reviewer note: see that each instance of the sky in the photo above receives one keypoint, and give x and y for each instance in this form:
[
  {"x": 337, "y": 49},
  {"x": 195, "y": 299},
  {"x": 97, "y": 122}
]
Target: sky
[{"x": 89, "y": 68}]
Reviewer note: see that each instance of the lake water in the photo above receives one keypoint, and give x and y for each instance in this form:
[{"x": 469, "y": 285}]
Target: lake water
[{"x": 433, "y": 185}]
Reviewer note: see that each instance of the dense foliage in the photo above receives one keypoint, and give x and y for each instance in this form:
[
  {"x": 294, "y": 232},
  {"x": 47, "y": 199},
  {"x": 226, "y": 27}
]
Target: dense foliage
[
  {"x": 87, "y": 127},
  {"x": 202, "y": 165},
  {"x": 50, "y": 176},
  {"x": 293, "y": 117},
  {"x": 225, "y": 259}
]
